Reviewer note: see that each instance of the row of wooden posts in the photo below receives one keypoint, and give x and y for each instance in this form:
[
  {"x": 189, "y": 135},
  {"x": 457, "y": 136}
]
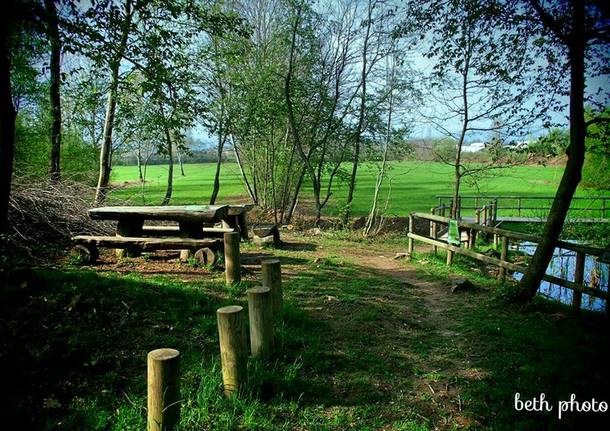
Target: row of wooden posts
[
  {"x": 264, "y": 305},
  {"x": 502, "y": 238}
]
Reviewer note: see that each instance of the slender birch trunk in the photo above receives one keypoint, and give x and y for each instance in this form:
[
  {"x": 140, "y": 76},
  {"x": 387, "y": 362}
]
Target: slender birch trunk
[{"x": 106, "y": 148}]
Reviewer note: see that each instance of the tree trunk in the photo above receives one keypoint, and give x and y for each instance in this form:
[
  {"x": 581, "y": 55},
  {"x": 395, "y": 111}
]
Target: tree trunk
[
  {"x": 361, "y": 115},
  {"x": 179, "y": 154},
  {"x": 573, "y": 170},
  {"x": 316, "y": 186},
  {"x": 106, "y": 149},
  {"x": 370, "y": 223},
  {"x": 295, "y": 197},
  {"x": 170, "y": 168},
  {"x": 221, "y": 143},
  {"x": 460, "y": 143},
  {"x": 7, "y": 120},
  {"x": 54, "y": 90},
  {"x": 139, "y": 161},
  {"x": 253, "y": 195}
]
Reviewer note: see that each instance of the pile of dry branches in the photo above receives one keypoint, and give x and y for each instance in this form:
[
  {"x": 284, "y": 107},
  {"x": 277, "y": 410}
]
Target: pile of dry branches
[{"x": 44, "y": 212}]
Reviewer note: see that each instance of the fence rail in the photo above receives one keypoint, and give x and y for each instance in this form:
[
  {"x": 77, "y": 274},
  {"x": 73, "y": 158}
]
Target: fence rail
[
  {"x": 520, "y": 204},
  {"x": 504, "y": 237}
]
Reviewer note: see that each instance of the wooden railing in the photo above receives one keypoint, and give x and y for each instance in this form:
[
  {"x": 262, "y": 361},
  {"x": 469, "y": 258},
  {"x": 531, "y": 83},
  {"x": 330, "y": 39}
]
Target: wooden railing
[
  {"x": 523, "y": 205},
  {"x": 486, "y": 215},
  {"x": 503, "y": 237}
]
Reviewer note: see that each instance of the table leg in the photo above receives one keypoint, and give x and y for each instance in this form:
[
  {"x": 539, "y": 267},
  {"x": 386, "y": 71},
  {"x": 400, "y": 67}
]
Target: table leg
[
  {"x": 129, "y": 227},
  {"x": 235, "y": 223},
  {"x": 243, "y": 226},
  {"x": 190, "y": 230}
]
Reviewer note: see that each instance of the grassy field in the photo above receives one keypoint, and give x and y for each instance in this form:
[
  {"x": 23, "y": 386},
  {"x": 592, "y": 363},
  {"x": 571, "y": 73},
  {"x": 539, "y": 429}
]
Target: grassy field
[
  {"x": 414, "y": 185},
  {"x": 366, "y": 343}
]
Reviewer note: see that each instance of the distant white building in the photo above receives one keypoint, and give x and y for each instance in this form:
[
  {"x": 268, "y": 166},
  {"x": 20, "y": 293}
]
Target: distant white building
[{"x": 474, "y": 147}]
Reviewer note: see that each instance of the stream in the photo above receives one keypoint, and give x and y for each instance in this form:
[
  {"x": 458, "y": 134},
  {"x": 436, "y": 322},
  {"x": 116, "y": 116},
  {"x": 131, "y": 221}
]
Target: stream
[{"x": 562, "y": 265}]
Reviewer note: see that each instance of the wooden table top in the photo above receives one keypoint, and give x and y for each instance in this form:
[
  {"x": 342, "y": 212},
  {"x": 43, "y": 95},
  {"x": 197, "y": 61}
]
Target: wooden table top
[
  {"x": 239, "y": 209},
  {"x": 188, "y": 213}
]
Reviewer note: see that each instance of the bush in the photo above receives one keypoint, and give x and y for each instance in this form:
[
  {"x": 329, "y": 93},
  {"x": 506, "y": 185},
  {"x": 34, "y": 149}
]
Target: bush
[{"x": 32, "y": 147}]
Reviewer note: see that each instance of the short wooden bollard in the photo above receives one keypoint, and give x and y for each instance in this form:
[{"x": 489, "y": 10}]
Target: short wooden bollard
[
  {"x": 260, "y": 313},
  {"x": 232, "y": 258},
  {"x": 503, "y": 254},
  {"x": 433, "y": 232},
  {"x": 233, "y": 348},
  {"x": 579, "y": 276},
  {"x": 272, "y": 278},
  {"x": 449, "y": 257},
  {"x": 410, "y": 244},
  {"x": 163, "y": 389}
]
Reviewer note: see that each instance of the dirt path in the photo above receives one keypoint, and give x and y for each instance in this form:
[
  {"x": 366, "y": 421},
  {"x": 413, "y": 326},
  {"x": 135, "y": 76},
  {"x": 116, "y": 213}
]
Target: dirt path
[{"x": 435, "y": 295}]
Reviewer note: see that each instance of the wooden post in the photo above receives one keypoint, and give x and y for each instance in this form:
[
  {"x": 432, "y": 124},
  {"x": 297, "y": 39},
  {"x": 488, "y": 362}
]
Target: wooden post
[
  {"x": 449, "y": 257},
  {"x": 579, "y": 276},
  {"x": 233, "y": 348},
  {"x": 433, "y": 233},
  {"x": 503, "y": 254},
  {"x": 272, "y": 278},
  {"x": 232, "y": 258},
  {"x": 485, "y": 215},
  {"x": 519, "y": 207},
  {"x": 410, "y": 243},
  {"x": 260, "y": 313},
  {"x": 478, "y": 215},
  {"x": 495, "y": 213},
  {"x": 163, "y": 389}
]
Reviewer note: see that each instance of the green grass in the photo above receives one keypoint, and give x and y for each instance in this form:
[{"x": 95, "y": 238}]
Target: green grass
[
  {"x": 414, "y": 185},
  {"x": 357, "y": 349}
]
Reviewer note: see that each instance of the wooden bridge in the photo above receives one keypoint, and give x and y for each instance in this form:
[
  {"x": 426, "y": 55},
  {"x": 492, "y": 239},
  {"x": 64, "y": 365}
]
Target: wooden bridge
[
  {"x": 495, "y": 210},
  {"x": 502, "y": 239}
]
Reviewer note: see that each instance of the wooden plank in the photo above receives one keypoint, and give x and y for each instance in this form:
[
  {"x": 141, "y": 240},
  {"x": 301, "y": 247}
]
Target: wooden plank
[
  {"x": 577, "y": 287},
  {"x": 176, "y": 229},
  {"x": 235, "y": 210},
  {"x": 194, "y": 213},
  {"x": 146, "y": 244},
  {"x": 482, "y": 257},
  {"x": 511, "y": 266}
]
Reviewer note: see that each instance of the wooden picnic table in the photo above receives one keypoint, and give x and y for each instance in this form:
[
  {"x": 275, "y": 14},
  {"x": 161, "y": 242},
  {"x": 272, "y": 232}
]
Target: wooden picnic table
[{"x": 191, "y": 219}]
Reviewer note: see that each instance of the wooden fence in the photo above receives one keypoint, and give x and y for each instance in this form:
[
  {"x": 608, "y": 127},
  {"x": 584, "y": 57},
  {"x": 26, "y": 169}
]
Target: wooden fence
[
  {"x": 528, "y": 205},
  {"x": 486, "y": 214},
  {"x": 503, "y": 237}
]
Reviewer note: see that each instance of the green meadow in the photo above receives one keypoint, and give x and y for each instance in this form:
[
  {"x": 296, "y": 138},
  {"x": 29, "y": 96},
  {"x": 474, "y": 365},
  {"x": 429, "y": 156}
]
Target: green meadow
[{"x": 412, "y": 185}]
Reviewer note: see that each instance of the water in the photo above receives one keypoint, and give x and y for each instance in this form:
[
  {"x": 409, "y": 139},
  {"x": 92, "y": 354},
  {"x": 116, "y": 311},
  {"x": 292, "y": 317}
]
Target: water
[{"x": 562, "y": 265}]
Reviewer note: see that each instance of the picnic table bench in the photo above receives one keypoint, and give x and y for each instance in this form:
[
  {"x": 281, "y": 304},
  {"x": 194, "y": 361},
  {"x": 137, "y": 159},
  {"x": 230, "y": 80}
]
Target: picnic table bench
[
  {"x": 194, "y": 234},
  {"x": 204, "y": 250}
]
